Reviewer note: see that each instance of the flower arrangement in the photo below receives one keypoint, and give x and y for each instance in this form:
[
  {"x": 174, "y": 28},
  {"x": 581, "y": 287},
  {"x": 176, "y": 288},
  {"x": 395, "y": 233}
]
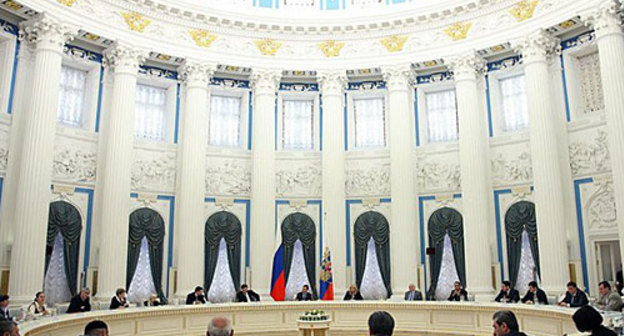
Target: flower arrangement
[{"x": 314, "y": 315}]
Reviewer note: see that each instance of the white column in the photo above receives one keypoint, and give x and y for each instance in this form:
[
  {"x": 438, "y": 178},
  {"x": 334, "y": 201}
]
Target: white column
[
  {"x": 607, "y": 25},
  {"x": 537, "y": 51},
  {"x": 192, "y": 186},
  {"x": 333, "y": 166},
  {"x": 403, "y": 232},
  {"x": 118, "y": 133},
  {"x": 263, "y": 235},
  {"x": 46, "y": 37},
  {"x": 474, "y": 167}
]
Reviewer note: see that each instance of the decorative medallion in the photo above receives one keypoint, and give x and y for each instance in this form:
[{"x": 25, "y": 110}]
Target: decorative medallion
[
  {"x": 135, "y": 21},
  {"x": 458, "y": 31},
  {"x": 331, "y": 48},
  {"x": 91, "y": 37},
  {"x": 67, "y": 3},
  {"x": 524, "y": 9},
  {"x": 12, "y": 5},
  {"x": 202, "y": 38},
  {"x": 394, "y": 43},
  {"x": 268, "y": 46}
]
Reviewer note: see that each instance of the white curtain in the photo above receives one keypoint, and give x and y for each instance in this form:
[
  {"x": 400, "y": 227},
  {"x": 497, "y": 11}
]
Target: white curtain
[
  {"x": 71, "y": 101},
  {"x": 372, "y": 286},
  {"x": 528, "y": 269},
  {"x": 370, "y": 122},
  {"x": 297, "y": 277},
  {"x": 222, "y": 286},
  {"x": 149, "y": 118},
  {"x": 448, "y": 272},
  {"x": 442, "y": 116},
  {"x": 514, "y": 104},
  {"x": 142, "y": 284},
  {"x": 298, "y": 124},
  {"x": 225, "y": 119},
  {"x": 55, "y": 282}
]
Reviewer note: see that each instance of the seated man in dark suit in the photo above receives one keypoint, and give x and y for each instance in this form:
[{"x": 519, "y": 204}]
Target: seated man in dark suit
[
  {"x": 119, "y": 300},
  {"x": 458, "y": 293},
  {"x": 80, "y": 303},
  {"x": 305, "y": 294},
  {"x": 574, "y": 297},
  {"x": 247, "y": 295},
  {"x": 5, "y": 313},
  {"x": 507, "y": 294},
  {"x": 412, "y": 294},
  {"x": 535, "y": 295},
  {"x": 196, "y": 297}
]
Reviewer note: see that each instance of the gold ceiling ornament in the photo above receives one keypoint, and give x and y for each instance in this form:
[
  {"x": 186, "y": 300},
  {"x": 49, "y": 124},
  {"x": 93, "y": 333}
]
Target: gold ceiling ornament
[
  {"x": 524, "y": 9},
  {"x": 91, "y": 36},
  {"x": 331, "y": 48},
  {"x": 394, "y": 43},
  {"x": 135, "y": 21},
  {"x": 458, "y": 31},
  {"x": 268, "y": 46},
  {"x": 67, "y": 3},
  {"x": 13, "y": 5},
  {"x": 202, "y": 38}
]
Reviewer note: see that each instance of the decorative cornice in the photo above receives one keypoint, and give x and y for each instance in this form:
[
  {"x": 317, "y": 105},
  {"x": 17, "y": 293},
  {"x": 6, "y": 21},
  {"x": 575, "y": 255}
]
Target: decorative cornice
[
  {"x": 466, "y": 66},
  {"x": 196, "y": 74},
  {"x": 265, "y": 81},
  {"x": 80, "y": 54},
  {"x": 67, "y": 3},
  {"x": 157, "y": 73},
  {"x": 124, "y": 59},
  {"x": 230, "y": 83},
  {"x": 606, "y": 19},
  {"x": 366, "y": 85},
  {"x": 332, "y": 82},
  {"x": 398, "y": 77},
  {"x": 537, "y": 47},
  {"x": 299, "y": 87},
  {"x": 46, "y": 33}
]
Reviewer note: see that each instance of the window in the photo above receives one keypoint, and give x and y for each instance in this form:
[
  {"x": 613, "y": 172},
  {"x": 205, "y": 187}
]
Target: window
[
  {"x": 515, "y": 114},
  {"x": 298, "y": 124},
  {"x": 370, "y": 122},
  {"x": 224, "y": 123},
  {"x": 71, "y": 103},
  {"x": 591, "y": 82},
  {"x": 149, "y": 120},
  {"x": 442, "y": 116}
]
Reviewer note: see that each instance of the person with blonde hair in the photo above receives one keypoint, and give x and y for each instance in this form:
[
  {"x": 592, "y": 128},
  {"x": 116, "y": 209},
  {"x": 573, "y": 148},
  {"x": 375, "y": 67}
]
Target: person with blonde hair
[{"x": 353, "y": 294}]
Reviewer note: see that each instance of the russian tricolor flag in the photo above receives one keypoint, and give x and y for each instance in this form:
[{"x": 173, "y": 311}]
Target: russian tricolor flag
[
  {"x": 327, "y": 279},
  {"x": 278, "y": 282}
]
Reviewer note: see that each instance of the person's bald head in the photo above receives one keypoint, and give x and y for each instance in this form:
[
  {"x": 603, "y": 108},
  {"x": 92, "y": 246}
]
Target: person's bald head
[{"x": 220, "y": 326}]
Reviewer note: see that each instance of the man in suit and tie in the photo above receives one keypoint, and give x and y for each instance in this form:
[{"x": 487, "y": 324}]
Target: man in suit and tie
[
  {"x": 305, "y": 294},
  {"x": 574, "y": 297},
  {"x": 412, "y": 294},
  {"x": 196, "y": 297},
  {"x": 247, "y": 295},
  {"x": 507, "y": 294},
  {"x": 5, "y": 314}
]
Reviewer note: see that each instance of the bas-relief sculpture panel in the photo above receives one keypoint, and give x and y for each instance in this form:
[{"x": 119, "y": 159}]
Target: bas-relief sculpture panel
[
  {"x": 367, "y": 177},
  {"x": 589, "y": 153},
  {"x": 4, "y": 148},
  {"x": 600, "y": 206},
  {"x": 153, "y": 170},
  {"x": 75, "y": 160},
  {"x": 228, "y": 177},
  {"x": 436, "y": 172},
  {"x": 511, "y": 164},
  {"x": 298, "y": 178}
]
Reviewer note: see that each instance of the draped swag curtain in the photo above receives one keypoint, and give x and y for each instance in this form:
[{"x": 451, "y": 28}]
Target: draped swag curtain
[
  {"x": 146, "y": 223},
  {"x": 65, "y": 219},
  {"x": 372, "y": 224},
  {"x": 300, "y": 226},
  {"x": 222, "y": 225},
  {"x": 442, "y": 222},
  {"x": 520, "y": 217}
]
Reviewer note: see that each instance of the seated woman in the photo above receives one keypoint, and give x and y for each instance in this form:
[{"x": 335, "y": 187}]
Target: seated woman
[
  {"x": 153, "y": 301},
  {"x": 119, "y": 300},
  {"x": 353, "y": 294},
  {"x": 37, "y": 308},
  {"x": 588, "y": 320},
  {"x": 458, "y": 293}
]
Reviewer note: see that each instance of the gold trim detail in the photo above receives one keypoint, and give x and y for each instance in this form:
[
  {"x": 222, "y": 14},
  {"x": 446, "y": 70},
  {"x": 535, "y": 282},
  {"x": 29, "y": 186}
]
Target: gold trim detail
[
  {"x": 524, "y": 9},
  {"x": 458, "y": 31},
  {"x": 67, "y": 3},
  {"x": 135, "y": 21},
  {"x": 13, "y": 5},
  {"x": 331, "y": 48},
  {"x": 202, "y": 38},
  {"x": 394, "y": 43},
  {"x": 268, "y": 46}
]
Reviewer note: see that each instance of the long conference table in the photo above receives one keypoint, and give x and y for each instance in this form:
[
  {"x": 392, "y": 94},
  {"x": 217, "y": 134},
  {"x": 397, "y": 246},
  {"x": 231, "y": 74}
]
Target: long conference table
[{"x": 348, "y": 318}]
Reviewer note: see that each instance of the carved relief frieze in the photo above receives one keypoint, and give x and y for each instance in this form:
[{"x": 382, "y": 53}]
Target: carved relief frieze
[
  {"x": 298, "y": 179},
  {"x": 437, "y": 174},
  {"x": 368, "y": 179},
  {"x": 510, "y": 170},
  {"x": 154, "y": 171},
  {"x": 587, "y": 157},
  {"x": 75, "y": 161},
  {"x": 600, "y": 208},
  {"x": 228, "y": 177}
]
